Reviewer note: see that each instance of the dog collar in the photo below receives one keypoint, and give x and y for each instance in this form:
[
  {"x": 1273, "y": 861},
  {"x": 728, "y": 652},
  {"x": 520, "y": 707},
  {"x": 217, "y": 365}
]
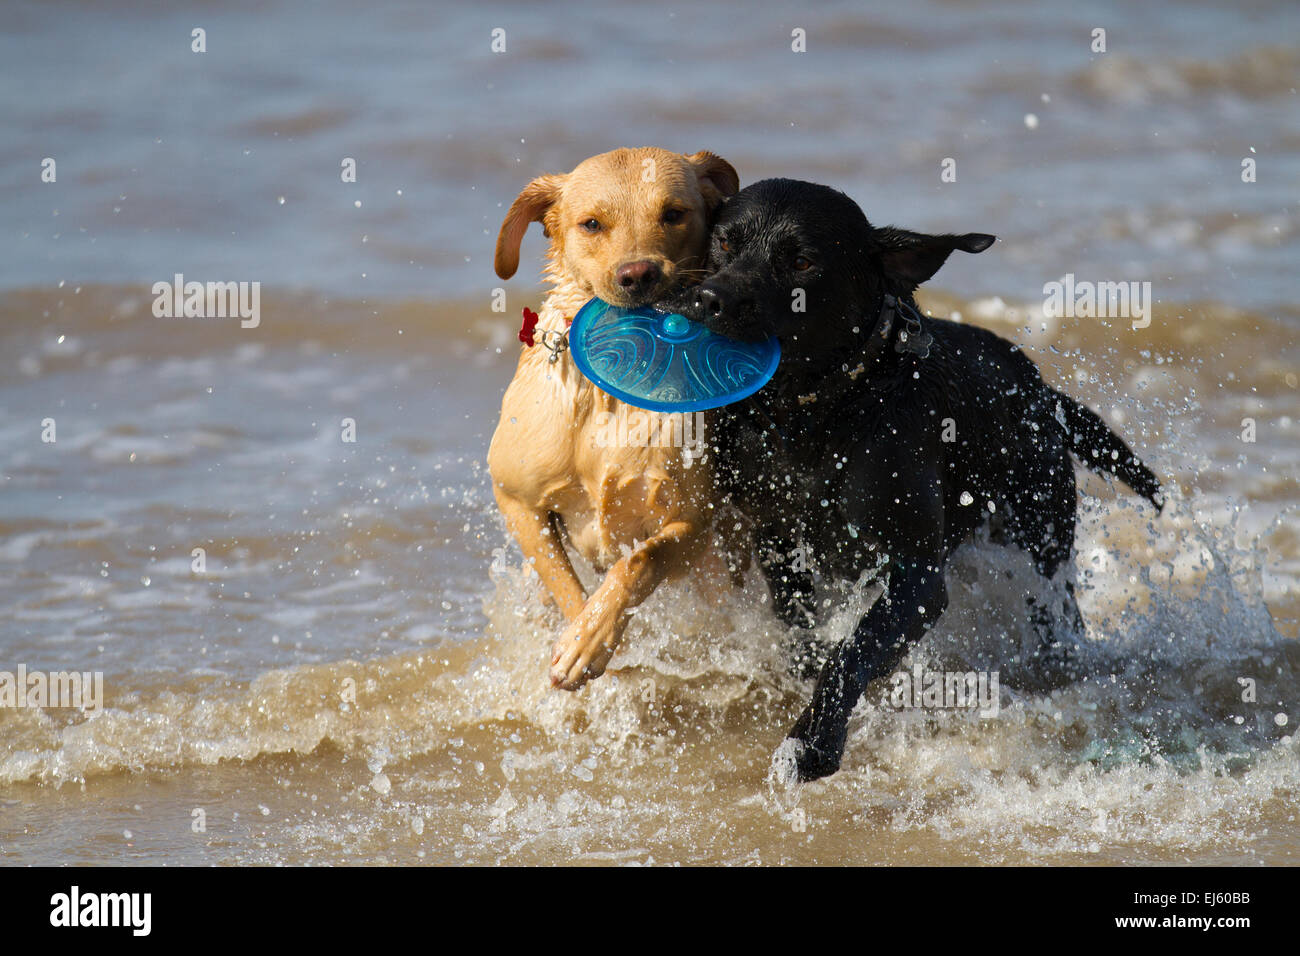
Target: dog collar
[
  {"x": 554, "y": 342},
  {"x": 912, "y": 338}
]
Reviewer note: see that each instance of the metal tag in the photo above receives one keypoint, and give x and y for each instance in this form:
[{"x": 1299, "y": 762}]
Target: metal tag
[{"x": 913, "y": 339}]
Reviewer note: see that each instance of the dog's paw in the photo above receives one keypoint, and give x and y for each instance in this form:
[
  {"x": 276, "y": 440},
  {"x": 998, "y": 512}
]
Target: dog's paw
[
  {"x": 572, "y": 664},
  {"x": 783, "y": 775},
  {"x": 812, "y": 763},
  {"x": 585, "y": 648},
  {"x": 820, "y": 745}
]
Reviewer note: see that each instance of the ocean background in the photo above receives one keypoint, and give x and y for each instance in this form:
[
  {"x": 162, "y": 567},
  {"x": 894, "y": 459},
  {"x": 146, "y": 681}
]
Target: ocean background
[{"x": 384, "y": 563}]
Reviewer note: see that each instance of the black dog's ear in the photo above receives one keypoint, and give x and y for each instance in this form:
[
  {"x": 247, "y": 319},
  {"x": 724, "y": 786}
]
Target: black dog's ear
[{"x": 914, "y": 257}]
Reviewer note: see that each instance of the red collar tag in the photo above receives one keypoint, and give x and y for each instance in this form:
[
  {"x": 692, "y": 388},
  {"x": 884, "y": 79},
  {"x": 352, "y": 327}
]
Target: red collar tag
[{"x": 530, "y": 324}]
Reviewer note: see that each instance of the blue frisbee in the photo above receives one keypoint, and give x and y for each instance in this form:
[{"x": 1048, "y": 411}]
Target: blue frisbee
[{"x": 664, "y": 362}]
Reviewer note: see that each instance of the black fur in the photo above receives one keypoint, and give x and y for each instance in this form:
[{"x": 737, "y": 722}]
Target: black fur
[{"x": 843, "y": 452}]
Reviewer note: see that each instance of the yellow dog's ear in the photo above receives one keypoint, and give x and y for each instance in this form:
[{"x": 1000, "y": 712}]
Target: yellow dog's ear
[
  {"x": 531, "y": 205},
  {"x": 718, "y": 178}
]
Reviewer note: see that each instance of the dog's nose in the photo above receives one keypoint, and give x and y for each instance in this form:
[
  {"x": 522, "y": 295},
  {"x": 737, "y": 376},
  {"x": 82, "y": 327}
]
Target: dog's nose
[
  {"x": 638, "y": 276},
  {"x": 709, "y": 301}
]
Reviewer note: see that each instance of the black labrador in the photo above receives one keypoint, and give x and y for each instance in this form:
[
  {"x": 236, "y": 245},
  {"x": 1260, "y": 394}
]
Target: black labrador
[{"x": 884, "y": 432}]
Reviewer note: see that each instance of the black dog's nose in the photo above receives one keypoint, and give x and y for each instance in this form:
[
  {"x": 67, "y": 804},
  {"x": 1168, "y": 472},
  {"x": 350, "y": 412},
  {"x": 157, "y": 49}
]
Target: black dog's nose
[
  {"x": 638, "y": 276},
  {"x": 709, "y": 301}
]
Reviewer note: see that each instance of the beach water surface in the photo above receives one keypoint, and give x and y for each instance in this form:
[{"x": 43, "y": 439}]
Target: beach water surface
[{"x": 354, "y": 672}]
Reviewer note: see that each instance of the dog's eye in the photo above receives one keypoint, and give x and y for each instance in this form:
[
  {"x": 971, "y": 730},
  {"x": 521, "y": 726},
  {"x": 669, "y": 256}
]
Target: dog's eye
[
  {"x": 672, "y": 217},
  {"x": 802, "y": 264},
  {"x": 590, "y": 225}
]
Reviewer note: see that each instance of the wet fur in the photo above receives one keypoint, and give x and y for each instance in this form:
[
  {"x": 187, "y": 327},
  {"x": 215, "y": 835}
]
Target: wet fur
[
  {"x": 865, "y": 434},
  {"x": 637, "y": 514}
]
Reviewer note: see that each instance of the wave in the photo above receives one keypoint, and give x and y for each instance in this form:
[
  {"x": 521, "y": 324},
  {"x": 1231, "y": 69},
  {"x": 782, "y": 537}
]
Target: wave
[
  {"x": 1261, "y": 71},
  {"x": 1161, "y": 749}
]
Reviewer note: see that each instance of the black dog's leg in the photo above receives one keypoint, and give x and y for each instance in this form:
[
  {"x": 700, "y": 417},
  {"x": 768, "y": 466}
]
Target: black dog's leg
[
  {"x": 915, "y": 599},
  {"x": 1050, "y": 539},
  {"x": 789, "y": 579},
  {"x": 790, "y": 582}
]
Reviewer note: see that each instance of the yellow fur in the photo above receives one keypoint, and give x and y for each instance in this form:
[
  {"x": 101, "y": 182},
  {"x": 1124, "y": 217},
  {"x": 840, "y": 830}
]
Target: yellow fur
[{"x": 638, "y": 513}]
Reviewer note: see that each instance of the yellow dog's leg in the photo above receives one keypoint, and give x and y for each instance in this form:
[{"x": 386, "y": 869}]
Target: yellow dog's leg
[
  {"x": 539, "y": 539},
  {"x": 589, "y": 642}
]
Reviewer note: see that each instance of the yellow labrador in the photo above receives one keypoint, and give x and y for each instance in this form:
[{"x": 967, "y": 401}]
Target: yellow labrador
[{"x": 625, "y": 226}]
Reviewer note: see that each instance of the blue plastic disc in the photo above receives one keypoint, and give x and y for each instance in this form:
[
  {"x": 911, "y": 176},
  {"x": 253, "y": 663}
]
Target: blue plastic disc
[{"x": 664, "y": 362}]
